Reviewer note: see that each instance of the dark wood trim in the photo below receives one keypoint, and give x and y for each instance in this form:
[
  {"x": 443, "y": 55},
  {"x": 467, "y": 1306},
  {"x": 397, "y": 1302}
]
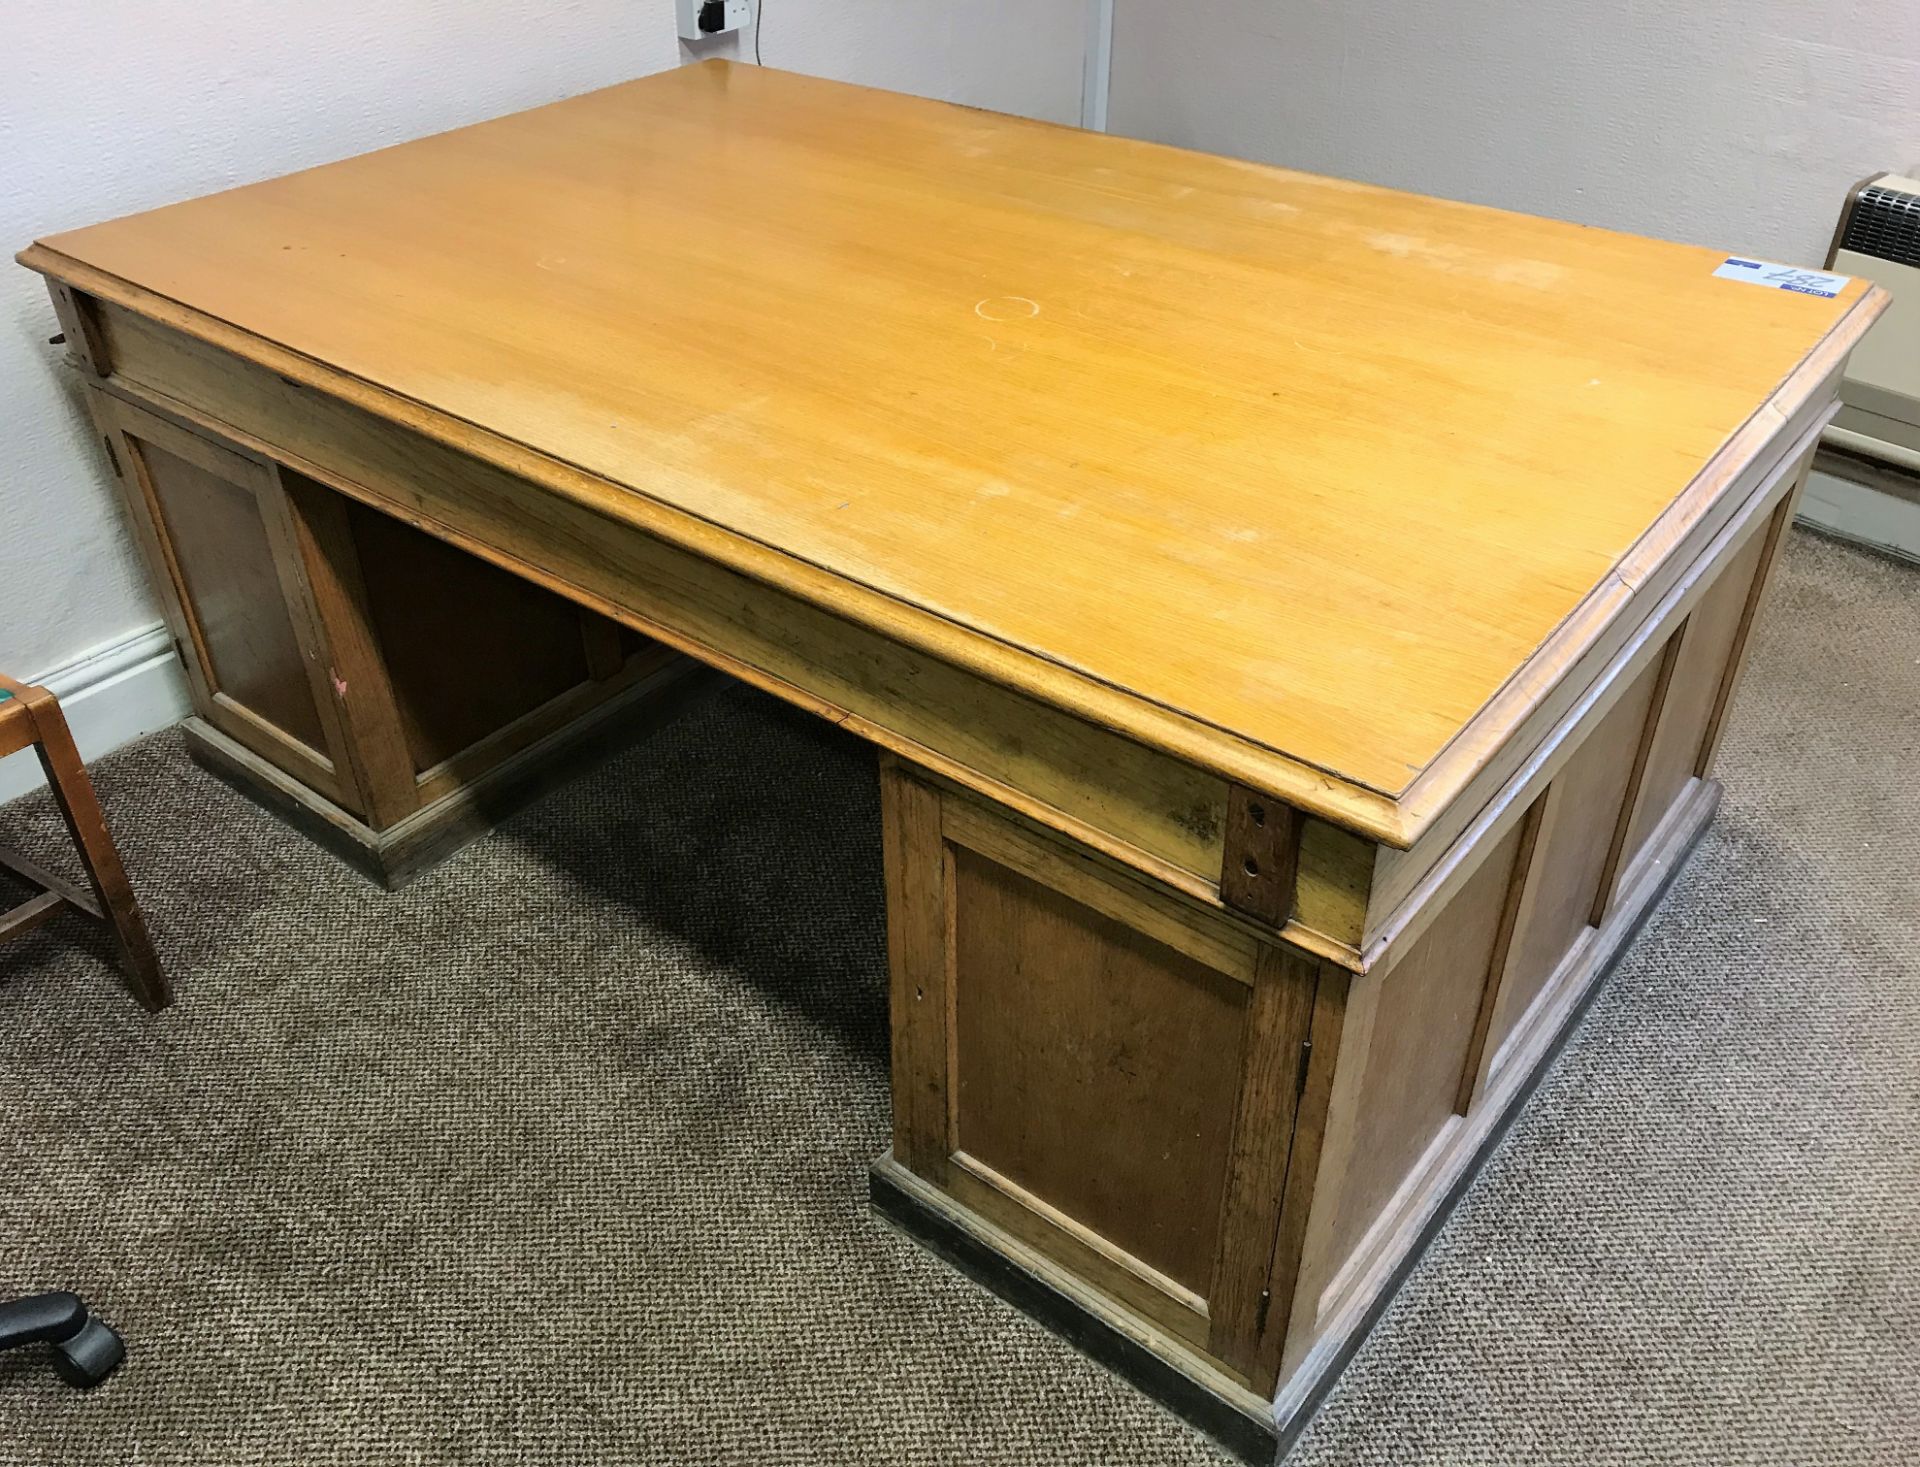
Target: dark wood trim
[
  {"x": 919, "y": 960},
  {"x": 33, "y": 873},
  {"x": 113, "y": 900},
  {"x": 600, "y": 640},
  {"x": 80, "y": 327},
  {"x": 1260, "y": 861},
  {"x": 1274, "y": 1055},
  {"x": 1303, "y": 1168},
  {"x": 372, "y": 752},
  {"x": 17, "y": 921}
]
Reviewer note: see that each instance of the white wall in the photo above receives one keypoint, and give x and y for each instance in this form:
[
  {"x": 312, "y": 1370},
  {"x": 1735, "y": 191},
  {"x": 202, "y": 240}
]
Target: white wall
[
  {"x": 112, "y": 106},
  {"x": 1732, "y": 123}
]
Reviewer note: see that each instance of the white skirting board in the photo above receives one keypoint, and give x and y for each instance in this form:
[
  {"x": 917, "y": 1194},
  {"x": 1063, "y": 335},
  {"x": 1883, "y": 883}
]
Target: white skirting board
[
  {"x": 111, "y": 694},
  {"x": 1864, "y": 501}
]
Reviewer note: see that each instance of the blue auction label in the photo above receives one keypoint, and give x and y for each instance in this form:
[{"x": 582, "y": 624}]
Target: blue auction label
[{"x": 1783, "y": 277}]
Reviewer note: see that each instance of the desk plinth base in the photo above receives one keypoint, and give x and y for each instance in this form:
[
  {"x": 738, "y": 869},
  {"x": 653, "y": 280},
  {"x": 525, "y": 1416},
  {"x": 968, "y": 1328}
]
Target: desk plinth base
[
  {"x": 396, "y": 855},
  {"x": 1036, "y": 1268},
  {"x": 1183, "y": 1382}
]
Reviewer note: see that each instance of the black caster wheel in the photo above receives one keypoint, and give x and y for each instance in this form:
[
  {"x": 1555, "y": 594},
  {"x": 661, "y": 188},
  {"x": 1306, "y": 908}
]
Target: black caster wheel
[{"x": 86, "y": 1350}]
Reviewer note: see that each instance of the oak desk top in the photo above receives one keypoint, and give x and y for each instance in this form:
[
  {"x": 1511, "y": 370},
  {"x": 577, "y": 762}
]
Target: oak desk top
[{"x": 1286, "y": 474}]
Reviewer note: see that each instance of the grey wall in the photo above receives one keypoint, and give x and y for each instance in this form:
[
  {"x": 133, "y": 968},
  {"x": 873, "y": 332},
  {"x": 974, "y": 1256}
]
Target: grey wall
[{"x": 1731, "y": 123}]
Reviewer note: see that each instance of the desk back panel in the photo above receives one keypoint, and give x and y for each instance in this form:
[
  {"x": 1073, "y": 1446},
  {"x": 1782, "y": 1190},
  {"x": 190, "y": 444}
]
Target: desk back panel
[{"x": 468, "y": 647}]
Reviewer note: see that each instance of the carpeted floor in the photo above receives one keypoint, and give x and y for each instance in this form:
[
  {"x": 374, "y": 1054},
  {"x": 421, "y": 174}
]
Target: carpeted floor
[{"x": 558, "y": 1156}]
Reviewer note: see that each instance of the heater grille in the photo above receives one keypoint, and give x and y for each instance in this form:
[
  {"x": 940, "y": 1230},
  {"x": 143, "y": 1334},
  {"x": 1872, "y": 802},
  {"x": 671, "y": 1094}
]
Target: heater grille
[{"x": 1884, "y": 223}]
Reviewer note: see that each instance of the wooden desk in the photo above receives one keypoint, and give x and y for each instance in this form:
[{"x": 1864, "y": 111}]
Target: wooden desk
[{"x": 1297, "y": 618}]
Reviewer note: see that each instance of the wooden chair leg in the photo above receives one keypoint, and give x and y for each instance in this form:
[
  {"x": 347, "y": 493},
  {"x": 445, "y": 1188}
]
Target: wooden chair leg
[{"x": 73, "y": 791}]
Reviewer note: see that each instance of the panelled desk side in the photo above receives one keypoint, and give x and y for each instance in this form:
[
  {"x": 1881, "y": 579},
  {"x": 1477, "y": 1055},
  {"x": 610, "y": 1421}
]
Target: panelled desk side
[{"x": 1193, "y": 1044}]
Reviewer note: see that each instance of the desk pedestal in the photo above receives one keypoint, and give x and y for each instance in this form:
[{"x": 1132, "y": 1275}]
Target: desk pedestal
[
  {"x": 391, "y": 695},
  {"x": 1207, "y": 1155}
]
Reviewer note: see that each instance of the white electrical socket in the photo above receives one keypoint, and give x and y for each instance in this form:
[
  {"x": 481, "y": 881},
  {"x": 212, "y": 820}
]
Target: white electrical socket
[{"x": 732, "y": 15}]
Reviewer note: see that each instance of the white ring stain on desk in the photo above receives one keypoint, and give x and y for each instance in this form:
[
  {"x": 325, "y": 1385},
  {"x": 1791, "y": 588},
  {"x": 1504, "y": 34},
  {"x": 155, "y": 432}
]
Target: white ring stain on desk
[{"x": 1006, "y": 308}]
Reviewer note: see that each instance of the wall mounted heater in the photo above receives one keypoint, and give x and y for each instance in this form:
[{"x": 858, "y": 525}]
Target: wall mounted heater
[
  {"x": 1865, "y": 485},
  {"x": 1879, "y": 237}
]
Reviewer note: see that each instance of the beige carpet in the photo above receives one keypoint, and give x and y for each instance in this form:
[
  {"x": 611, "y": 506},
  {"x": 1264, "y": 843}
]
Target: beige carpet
[{"x": 558, "y": 1156}]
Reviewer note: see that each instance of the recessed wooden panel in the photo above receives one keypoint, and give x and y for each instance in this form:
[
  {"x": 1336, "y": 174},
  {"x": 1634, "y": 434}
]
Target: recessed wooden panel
[
  {"x": 1093, "y": 1066},
  {"x": 1706, "y": 645},
  {"x": 1422, "y": 1033},
  {"x": 469, "y": 647},
  {"x": 1570, "y": 854},
  {"x": 230, "y": 582}
]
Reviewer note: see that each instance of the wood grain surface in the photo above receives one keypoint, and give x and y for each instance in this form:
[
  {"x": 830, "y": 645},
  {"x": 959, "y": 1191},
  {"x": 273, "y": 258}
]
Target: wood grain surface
[{"x": 1313, "y": 466}]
